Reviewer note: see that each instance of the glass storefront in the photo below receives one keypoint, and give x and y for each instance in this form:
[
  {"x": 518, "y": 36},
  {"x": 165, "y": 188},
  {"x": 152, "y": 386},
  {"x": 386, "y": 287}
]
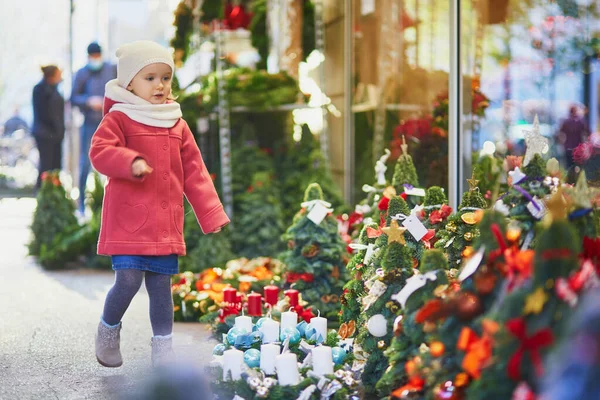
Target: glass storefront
[{"x": 518, "y": 59}]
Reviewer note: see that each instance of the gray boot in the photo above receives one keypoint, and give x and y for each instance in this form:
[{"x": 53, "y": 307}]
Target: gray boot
[
  {"x": 162, "y": 350},
  {"x": 108, "y": 352}
]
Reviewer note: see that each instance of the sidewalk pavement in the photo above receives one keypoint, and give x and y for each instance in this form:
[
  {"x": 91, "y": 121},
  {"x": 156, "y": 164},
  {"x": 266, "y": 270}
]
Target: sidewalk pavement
[{"x": 49, "y": 318}]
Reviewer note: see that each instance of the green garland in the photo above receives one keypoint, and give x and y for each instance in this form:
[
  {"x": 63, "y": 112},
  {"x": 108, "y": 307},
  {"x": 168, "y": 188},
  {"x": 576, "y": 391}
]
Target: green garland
[{"x": 257, "y": 90}]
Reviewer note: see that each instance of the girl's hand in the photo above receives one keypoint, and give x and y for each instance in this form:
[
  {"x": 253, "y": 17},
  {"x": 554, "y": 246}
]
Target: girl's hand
[{"x": 140, "y": 168}]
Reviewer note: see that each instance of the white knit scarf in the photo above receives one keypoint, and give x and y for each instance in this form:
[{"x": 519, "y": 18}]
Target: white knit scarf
[{"x": 142, "y": 111}]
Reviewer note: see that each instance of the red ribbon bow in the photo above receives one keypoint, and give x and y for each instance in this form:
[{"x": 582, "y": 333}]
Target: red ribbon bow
[
  {"x": 305, "y": 314},
  {"x": 532, "y": 344},
  {"x": 295, "y": 277}
]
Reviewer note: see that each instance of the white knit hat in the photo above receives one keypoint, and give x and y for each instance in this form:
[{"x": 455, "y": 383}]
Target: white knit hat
[{"x": 136, "y": 55}]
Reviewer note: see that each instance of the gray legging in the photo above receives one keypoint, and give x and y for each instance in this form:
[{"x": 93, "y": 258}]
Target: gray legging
[{"x": 127, "y": 284}]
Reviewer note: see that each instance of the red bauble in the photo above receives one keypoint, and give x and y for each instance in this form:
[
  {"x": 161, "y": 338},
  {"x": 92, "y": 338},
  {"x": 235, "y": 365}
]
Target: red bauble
[{"x": 468, "y": 306}]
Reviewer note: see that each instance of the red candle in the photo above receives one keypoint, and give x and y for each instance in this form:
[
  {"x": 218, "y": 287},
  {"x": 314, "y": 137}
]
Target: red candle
[
  {"x": 271, "y": 294},
  {"x": 293, "y": 296},
  {"x": 239, "y": 297},
  {"x": 229, "y": 295},
  {"x": 254, "y": 304}
]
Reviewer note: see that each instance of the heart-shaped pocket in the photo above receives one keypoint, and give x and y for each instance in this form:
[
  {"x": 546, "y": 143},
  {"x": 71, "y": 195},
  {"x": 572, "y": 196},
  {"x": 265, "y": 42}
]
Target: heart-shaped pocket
[
  {"x": 132, "y": 218},
  {"x": 178, "y": 215}
]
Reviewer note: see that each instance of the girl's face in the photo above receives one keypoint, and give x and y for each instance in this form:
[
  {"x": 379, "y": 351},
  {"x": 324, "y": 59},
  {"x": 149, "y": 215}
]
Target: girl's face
[{"x": 152, "y": 83}]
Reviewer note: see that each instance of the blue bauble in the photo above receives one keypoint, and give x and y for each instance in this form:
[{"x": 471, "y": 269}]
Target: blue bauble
[
  {"x": 338, "y": 354},
  {"x": 292, "y": 333},
  {"x": 252, "y": 358},
  {"x": 219, "y": 349},
  {"x": 233, "y": 334},
  {"x": 260, "y": 322}
]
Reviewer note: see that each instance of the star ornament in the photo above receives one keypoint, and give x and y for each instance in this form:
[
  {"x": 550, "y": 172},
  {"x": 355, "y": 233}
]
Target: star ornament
[
  {"x": 557, "y": 205},
  {"x": 395, "y": 233},
  {"x": 535, "y": 302},
  {"x": 472, "y": 182},
  {"x": 536, "y": 143},
  {"x": 516, "y": 175}
]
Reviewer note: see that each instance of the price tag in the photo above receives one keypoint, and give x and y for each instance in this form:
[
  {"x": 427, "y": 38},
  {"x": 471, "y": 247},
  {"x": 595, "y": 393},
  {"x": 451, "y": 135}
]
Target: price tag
[
  {"x": 537, "y": 208},
  {"x": 411, "y": 191},
  {"x": 472, "y": 264},
  {"x": 415, "y": 227},
  {"x": 318, "y": 213},
  {"x": 413, "y": 284}
]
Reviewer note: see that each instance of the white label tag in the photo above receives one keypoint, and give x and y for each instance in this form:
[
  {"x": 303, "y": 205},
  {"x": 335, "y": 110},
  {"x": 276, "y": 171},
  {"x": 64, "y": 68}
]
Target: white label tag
[
  {"x": 415, "y": 227},
  {"x": 472, "y": 264},
  {"x": 413, "y": 284},
  {"x": 414, "y": 191},
  {"x": 539, "y": 211},
  {"x": 318, "y": 213},
  {"x": 449, "y": 242}
]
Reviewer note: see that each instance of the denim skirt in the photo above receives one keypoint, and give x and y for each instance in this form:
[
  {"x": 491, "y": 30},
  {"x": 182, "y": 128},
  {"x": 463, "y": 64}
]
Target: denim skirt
[{"x": 159, "y": 264}]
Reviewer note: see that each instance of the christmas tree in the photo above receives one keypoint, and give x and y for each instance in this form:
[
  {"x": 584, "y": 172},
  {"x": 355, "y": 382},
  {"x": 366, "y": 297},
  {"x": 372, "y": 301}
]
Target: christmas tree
[
  {"x": 461, "y": 227},
  {"x": 522, "y": 192},
  {"x": 314, "y": 259},
  {"x": 379, "y": 310},
  {"x": 405, "y": 172},
  {"x": 435, "y": 209},
  {"x": 453, "y": 349},
  {"x": 259, "y": 224},
  {"x": 408, "y": 335},
  {"x": 531, "y": 319},
  {"x": 582, "y": 212},
  {"x": 487, "y": 170},
  {"x": 354, "y": 291},
  {"x": 54, "y": 214}
]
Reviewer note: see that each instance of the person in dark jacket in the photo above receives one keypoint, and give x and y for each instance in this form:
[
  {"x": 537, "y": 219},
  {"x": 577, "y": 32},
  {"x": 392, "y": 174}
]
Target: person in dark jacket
[
  {"x": 48, "y": 120},
  {"x": 573, "y": 132},
  {"x": 88, "y": 96}
]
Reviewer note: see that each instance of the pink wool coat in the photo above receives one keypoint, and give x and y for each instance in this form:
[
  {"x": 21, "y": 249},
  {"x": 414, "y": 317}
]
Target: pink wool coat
[{"x": 144, "y": 216}]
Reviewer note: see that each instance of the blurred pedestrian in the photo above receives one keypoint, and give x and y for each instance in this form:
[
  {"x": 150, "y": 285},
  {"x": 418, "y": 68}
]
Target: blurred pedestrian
[
  {"x": 48, "y": 120},
  {"x": 573, "y": 132},
  {"x": 15, "y": 123},
  {"x": 88, "y": 95}
]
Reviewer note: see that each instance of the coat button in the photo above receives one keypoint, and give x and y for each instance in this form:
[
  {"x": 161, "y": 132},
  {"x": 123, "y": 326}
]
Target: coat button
[
  {"x": 165, "y": 147},
  {"x": 165, "y": 176},
  {"x": 165, "y": 234},
  {"x": 164, "y": 204}
]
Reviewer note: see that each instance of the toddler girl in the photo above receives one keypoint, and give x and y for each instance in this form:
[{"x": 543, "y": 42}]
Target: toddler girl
[{"x": 151, "y": 159}]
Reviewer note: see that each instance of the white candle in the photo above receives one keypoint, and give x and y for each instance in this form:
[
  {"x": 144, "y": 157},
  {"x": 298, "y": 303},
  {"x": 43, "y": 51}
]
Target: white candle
[
  {"x": 232, "y": 362},
  {"x": 320, "y": 325},
  {"x": 268, "y": 354},
  {"x": 244, "y": 322},
  {"x": 287, "y": 369},
  {"x": 289, "y": 319},
  {"x": 270, "y": 331},
  {"x": 322, "y": 360}
]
